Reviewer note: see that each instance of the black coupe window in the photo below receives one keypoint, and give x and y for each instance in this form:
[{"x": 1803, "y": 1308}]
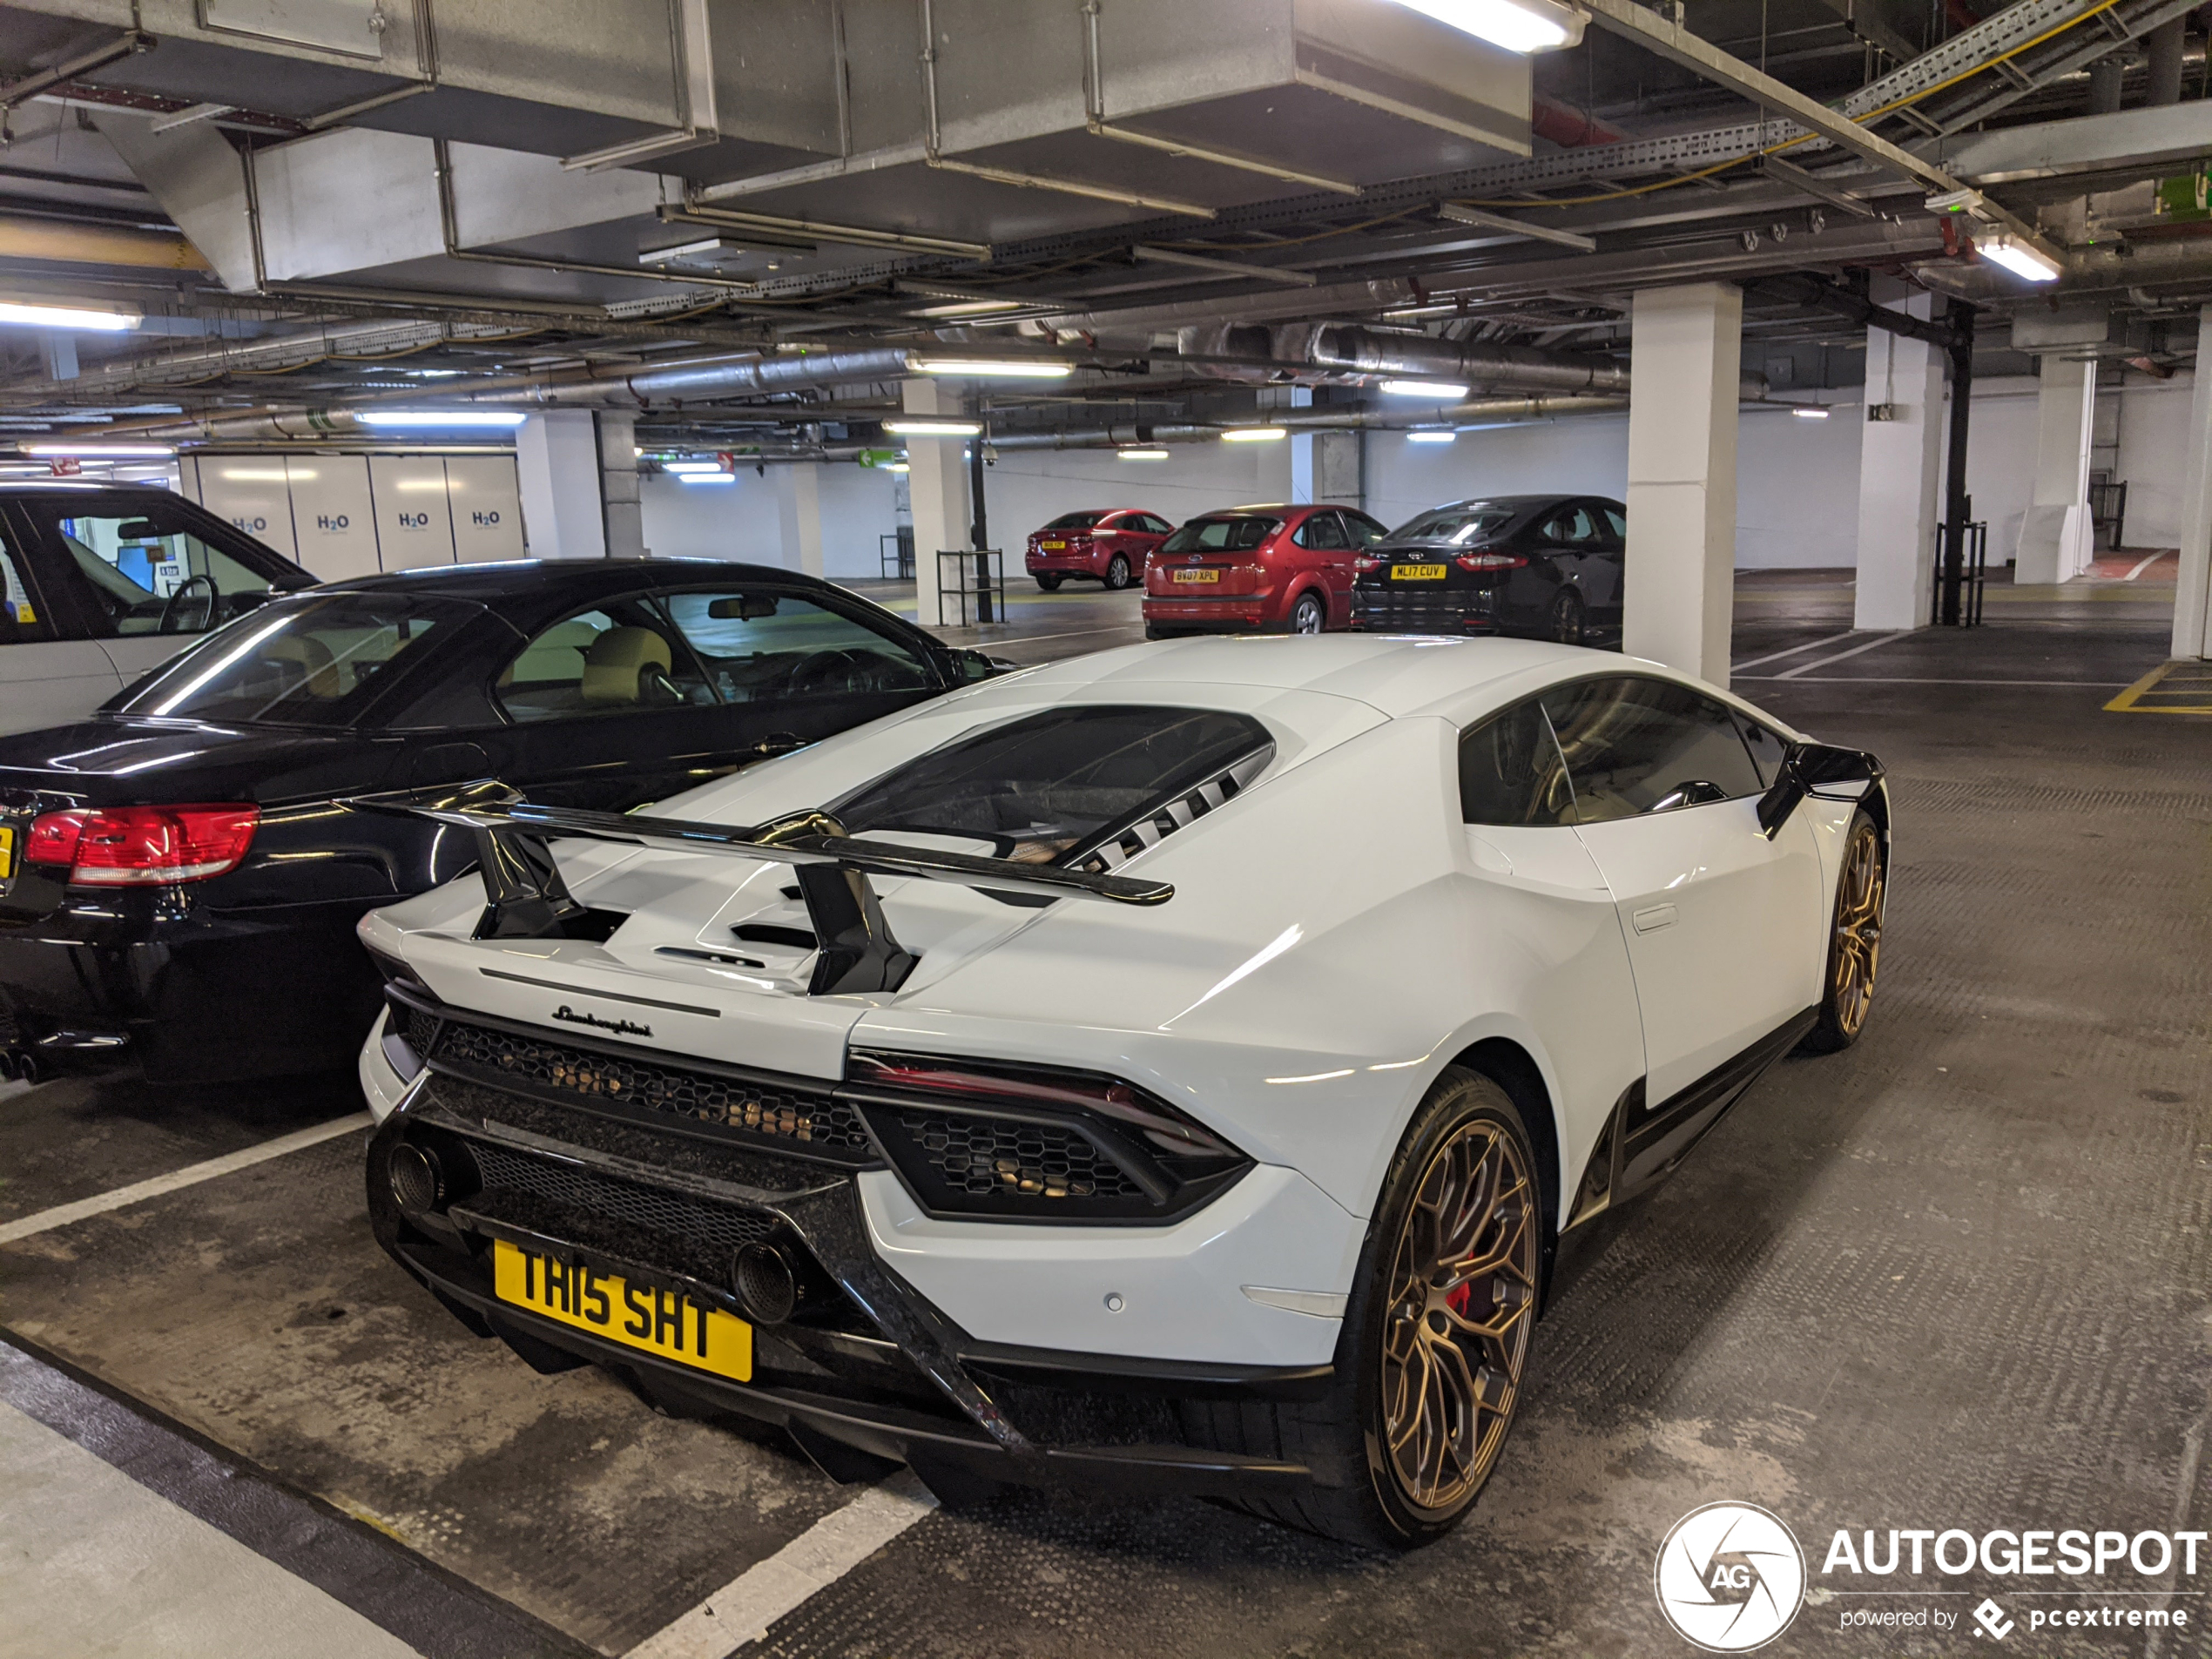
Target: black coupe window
[
  {"x": 314, "y": 660},
  {"x": 1044, "y": 787}
]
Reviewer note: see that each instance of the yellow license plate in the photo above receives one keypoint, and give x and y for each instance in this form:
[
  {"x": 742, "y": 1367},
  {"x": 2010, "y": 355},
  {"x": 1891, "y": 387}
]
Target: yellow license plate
[
  {"x": 1196, "y": 576},
  {"x": 655, "y": 1322},
  {"x": 1417, "y": 573},
  {"x": 7, "y": 851},
  {"x": 1053, "y": 547}
]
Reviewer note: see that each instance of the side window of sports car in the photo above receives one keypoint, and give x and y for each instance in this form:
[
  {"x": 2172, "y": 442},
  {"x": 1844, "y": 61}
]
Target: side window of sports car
[
  {"x": 1511, "y": 773},
  {"x": 1767, "y": 746},
  {"x": 1636, "y": 745},
  {"x": 764, "y": 647}
]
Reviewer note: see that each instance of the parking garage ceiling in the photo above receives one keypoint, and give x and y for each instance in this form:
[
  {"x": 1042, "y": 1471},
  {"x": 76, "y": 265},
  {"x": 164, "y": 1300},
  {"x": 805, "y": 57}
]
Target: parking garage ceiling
[{"x": 750, "y": 222}]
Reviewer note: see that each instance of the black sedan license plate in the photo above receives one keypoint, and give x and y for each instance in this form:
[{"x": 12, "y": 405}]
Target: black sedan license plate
[
  {"x": 7, "y": 851},
  {"x": 652, "y": 1321},
  {"x": 1417, "y": 573}
]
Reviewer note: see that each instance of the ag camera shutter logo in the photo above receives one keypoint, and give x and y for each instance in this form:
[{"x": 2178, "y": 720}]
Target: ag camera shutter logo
[{"x": 1729, "y": 1577}]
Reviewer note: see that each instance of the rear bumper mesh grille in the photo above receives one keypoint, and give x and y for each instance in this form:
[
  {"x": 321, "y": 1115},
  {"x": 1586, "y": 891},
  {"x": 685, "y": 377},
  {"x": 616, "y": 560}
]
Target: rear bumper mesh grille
[
  {"x": 693, "y": 1232},
  {"x": 793, "y": 1120}
]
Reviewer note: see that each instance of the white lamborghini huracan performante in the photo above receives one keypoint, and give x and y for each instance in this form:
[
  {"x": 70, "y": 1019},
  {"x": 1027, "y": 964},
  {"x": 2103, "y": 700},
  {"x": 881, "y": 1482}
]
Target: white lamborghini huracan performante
[{"x": 1174, "y": 1068}]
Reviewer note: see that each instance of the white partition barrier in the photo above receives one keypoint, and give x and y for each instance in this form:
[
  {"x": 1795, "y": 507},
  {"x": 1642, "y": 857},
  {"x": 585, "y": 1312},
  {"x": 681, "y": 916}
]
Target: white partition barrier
[
  {"x": 413, "y": 524},
  {"x": 487, "y": 508},
  {"x": 344, "y": 515}
]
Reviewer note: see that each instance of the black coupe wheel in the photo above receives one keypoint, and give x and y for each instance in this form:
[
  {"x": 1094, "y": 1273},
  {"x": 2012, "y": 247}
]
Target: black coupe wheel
[
  {"x": 1435, "y": 1339},
  {"x": 1854, "y": 941},
  {"x": 1567, "y": 623},
  {"x": 1116, "y": 573},
  {"x": 1309, "y": 615},
  {"x": 1050, "y": 580}
]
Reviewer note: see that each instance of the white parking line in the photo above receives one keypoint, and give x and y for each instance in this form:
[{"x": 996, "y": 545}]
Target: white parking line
[
  {"x": 191, "y": 1175},
  {"x": 742, "y": 1610},
  {"x": 2146, "y": 564},
  {"x": 1823, "y": 662},
  {"x": 1777, "y": 656},
  {"x": 1881, "y": 679}
]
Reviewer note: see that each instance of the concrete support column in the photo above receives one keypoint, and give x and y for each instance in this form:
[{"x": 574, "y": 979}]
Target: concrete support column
[
  {"x": 2056, "y": 532},
  {"x": 2193, "y": 589},
  {"x": 799, "y": 506},
  {"x": 621, "y": 515},
  {"x": 1685, "y": 354},
  {"x": 1339, "y": 468},
  {"x": 1900, "y": 465},
  {"x": 556, "y": 466},
  {"x": 1302, "y": 443},
  {"x": 937, "y": 484}
]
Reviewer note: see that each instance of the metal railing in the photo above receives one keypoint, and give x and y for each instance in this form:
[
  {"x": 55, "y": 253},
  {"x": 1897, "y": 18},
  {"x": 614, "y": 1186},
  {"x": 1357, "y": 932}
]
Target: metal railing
[
  {"x": 979, "y": 577},
  {"x": 1962, "y": 570}
]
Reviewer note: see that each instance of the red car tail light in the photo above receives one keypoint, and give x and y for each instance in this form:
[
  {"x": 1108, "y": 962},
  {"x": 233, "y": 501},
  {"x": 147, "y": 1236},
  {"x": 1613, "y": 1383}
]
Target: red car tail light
[
  {"x": 1365, "y": 564},
  {"x": 137, "y": 846},
  {"x": 1490, "y": 561}
]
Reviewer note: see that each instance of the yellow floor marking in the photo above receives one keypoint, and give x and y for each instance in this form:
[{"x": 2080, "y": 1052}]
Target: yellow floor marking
[{"x": 2184, "y": 687}]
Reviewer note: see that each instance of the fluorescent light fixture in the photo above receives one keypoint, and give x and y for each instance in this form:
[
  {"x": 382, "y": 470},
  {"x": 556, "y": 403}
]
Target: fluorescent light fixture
[
  {"x": 992, "y": 368},
  {"x": 1253, "y": 435},
  {"x": 706, "y": 477},
  {"x": 435, "y": 418},
  {"x": 1810, "y": 412},
  {"x": 892, "y": 466},
  {"x": 706, "y": 249},
  {"x": 1453, "y": 389},
  {"x": 264, "y": 474},
  {"x": 692, "y": 466},
  {"x": 97, "y": 451},
  {"x": 438, "y": 485},
  {"x": 2017, "y": 257},
  {"x": 1517, "y": 25},
  {"x": 1430, "y": 437},
  {"x": 934, "y": 428},
  {"x": 1140, "y": 455},
  {"x": 969, "y": 309},
  {"x": 83, "y": 319}
]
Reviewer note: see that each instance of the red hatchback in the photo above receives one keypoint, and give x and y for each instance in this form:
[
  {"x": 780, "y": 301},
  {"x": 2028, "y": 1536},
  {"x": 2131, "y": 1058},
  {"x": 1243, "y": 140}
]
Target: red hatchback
[
  {"x": 1114, "y": 545},
  {"x": 1252, "y": 570}
]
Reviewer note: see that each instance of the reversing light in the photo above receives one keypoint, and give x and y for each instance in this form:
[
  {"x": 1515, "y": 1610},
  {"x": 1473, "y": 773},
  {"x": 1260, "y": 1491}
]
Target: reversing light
[{"x": 143, "y": 847}]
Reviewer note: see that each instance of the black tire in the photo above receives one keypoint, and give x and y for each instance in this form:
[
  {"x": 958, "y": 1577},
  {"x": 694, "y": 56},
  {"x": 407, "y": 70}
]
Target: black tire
[
  {"x": 1854, "y": 941},
  {"x": 1050, "y": 580},
  {"x": 1116, "y": 575},
  {"x": 1359, "y": 1494},
  {"x": 1308, "y": 614},
  {"x": 1569, "y": 622}
]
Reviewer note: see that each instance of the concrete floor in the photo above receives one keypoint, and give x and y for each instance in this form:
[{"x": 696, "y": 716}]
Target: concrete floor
[{"x": 1956, "y": 1276}]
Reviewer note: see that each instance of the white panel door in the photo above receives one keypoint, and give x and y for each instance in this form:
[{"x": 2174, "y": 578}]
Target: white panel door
[
  {"x": 253, "y": 493},
  {"x": 487, "y": 508},
  {"x": 53, "y": 682},
  {"x": 334, "y": 514},
  {"x": 414, "y": 527}
]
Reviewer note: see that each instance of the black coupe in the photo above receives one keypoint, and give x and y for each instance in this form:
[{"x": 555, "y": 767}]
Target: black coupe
[
  {"x": 180, "y": 875},
  {"x": 1545, "y": 567}
]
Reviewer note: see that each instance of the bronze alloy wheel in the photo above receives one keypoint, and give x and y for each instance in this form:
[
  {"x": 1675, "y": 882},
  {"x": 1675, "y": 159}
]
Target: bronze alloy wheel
[
  {"x": 1462, "y": 1302},
  {"x": 1857, "y": 947}
]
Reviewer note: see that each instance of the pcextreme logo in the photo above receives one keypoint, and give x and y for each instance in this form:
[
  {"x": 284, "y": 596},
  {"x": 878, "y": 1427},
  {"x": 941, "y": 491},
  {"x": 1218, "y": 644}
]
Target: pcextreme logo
[{"x": 1730, "y": 1577}]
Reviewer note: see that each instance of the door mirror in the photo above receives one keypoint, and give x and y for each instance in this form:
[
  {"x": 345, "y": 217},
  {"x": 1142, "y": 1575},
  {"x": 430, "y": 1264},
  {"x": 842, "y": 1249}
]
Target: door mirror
[
  {"x": 1815, "y": 769},
  {"x": 973, "y": 665}
]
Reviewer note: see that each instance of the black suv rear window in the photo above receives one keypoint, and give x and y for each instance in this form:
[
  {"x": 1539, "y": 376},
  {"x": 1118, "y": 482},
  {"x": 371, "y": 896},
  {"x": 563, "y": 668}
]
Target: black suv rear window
[{"x": 1048, "y": 787}]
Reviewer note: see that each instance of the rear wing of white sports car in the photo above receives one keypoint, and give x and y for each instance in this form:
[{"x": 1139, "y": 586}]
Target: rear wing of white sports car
[{"x": 526, "y": 899}]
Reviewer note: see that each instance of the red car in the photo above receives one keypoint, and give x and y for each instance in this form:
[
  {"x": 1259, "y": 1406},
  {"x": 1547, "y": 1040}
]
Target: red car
[
  {"x": 1114, "y": 545},
  {"x": 1253, "y": 569}
]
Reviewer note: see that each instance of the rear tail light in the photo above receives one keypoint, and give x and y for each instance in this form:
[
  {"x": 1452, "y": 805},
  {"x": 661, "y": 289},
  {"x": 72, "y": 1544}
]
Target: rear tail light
[
  {"x": 138, "y": 847},
  {"x": 1490, "y": 561},
  {"x": 1365, "y": 564}
]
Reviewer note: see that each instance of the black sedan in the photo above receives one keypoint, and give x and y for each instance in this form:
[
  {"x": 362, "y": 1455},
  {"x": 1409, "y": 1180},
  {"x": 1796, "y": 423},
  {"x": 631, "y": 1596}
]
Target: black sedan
[
  {"x": 1544, "y": 567},
  {"x": 179, "y": 876}
]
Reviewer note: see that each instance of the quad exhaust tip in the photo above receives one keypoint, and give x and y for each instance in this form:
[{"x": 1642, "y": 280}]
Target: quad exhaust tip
[{"x": 18, "y": 1065}]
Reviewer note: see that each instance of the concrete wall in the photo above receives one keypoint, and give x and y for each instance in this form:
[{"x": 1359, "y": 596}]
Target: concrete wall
[{"x": 740, "y": 521}]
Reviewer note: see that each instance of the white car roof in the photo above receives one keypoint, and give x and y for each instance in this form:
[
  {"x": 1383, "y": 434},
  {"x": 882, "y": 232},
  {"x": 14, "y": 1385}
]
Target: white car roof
[{"x": 1397, "y": 674}]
